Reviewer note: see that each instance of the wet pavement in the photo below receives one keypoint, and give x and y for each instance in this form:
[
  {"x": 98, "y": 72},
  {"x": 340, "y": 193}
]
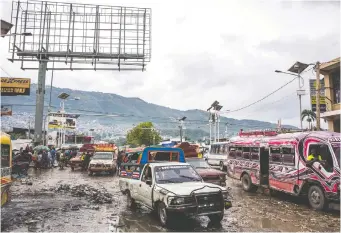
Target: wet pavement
[{"x": 65, "y": 200}]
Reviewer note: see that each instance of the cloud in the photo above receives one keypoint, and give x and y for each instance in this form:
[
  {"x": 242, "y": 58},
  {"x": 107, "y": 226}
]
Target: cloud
[
  {"x": 218, "y": 50},
  {"x": 303, "y": 48}
]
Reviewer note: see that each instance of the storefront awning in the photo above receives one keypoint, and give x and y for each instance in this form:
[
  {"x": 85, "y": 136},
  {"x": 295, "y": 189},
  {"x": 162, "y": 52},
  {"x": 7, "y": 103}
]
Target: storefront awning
[{"x": 331, "y": 114}]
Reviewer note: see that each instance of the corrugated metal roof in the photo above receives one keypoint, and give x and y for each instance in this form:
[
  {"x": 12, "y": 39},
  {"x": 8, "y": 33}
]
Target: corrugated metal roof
[{"x": 330, "y": 64}]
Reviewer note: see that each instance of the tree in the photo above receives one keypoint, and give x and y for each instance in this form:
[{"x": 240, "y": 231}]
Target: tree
[
  {"x": 120, "y": 141},
  {"x": 310, "y": 115},
  {"x": 143, "y": 134}
]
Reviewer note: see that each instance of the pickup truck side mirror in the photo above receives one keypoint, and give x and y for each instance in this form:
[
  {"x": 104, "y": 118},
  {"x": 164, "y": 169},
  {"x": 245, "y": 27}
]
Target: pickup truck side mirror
[{"x": 149, "y": 182}]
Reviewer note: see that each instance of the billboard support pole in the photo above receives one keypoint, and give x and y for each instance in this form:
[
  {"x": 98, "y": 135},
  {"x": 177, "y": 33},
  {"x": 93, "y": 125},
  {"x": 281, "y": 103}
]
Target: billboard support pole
[
  {"x": 38, "y": 123},
  {"x": 318, "y": 111}
]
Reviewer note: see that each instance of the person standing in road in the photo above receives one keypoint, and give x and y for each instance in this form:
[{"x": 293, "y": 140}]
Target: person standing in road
[
  {"x": 53, "y": 155},
  {"x": 50, "y": 159},
  {"x": 119, "y": 161}
]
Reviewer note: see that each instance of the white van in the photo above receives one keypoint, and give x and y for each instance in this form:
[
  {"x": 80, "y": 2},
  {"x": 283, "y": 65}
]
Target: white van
[{"x": 217, "y": 155}]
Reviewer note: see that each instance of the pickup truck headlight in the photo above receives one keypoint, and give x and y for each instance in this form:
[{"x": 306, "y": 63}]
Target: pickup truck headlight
[
  {"x": 225, "y": 195},
  {"x": 176, "y": 201}
]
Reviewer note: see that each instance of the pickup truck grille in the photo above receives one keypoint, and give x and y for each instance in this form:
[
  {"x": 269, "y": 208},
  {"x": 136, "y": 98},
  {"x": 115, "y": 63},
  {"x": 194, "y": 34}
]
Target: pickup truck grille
[
  {"x": 209, "y": 202},
  {"x": 211, "y": 178}
]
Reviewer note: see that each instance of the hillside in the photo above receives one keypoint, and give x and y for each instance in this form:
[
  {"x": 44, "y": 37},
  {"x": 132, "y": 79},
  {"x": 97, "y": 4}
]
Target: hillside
[{"x": 130, "y": 111}]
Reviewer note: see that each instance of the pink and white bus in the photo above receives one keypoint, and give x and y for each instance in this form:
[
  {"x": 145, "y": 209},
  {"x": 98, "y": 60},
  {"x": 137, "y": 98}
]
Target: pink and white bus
[{"x": 279, "y": 162}]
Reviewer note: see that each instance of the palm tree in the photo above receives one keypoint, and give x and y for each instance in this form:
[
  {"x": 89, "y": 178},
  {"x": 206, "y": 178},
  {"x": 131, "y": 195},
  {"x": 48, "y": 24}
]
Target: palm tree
[{"x": 310, "y": 115}]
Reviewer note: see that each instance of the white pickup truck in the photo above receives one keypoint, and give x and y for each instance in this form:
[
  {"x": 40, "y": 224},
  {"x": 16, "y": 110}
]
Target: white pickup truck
[{"x": 172, "y": 188}]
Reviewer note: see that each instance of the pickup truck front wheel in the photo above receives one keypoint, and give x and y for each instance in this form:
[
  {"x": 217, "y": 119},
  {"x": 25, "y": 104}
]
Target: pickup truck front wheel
[
  {"x": 163, "y": 214},
  {"x": 216, "y": 218},
  {"x": 130, "y": 201}
]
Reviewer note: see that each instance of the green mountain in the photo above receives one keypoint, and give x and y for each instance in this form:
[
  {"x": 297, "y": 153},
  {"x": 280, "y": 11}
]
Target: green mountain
[{"x": 97, "y": 106}]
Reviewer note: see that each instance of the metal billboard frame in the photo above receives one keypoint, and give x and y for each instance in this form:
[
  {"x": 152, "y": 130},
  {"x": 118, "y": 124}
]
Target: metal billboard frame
[
  {"x": 107, "y": 37},
  {"x": 74, "y": 36}
]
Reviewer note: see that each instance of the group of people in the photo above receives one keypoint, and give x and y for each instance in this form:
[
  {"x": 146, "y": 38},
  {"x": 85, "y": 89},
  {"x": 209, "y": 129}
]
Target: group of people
[
  {"x": 46, "y": 158},
  {"x": 23, "y": 155},
  {"x": 85, "y": 158}
]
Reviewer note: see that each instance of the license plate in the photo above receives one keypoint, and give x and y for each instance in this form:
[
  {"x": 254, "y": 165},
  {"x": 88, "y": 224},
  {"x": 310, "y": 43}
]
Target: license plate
[{"x": 228, "y": 204}]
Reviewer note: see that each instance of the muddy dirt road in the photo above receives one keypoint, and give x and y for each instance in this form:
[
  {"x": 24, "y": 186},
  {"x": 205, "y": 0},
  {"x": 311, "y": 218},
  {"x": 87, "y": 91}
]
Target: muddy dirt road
[{"x": 62, "y": 200}]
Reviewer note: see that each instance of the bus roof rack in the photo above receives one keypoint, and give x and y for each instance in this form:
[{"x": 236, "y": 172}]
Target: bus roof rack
[{"x": 266, "y": 132}]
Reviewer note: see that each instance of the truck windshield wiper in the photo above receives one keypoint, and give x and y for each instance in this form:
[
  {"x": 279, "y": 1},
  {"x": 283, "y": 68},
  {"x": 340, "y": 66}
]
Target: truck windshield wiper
[
  {"x": 167, "y": 181},
  {"x": 191, "y": 178}
]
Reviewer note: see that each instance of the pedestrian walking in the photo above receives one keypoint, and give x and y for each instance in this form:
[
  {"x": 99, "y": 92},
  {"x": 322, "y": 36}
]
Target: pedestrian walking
[
  {"x": 53, "y": 155},
  {"x": 49, "y": 159},
  {"x": 119, "y": 161}
]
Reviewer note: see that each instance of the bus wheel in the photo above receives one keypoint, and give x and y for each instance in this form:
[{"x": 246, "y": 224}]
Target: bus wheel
[
  {"x": 221, "y": 166},
  {"x": 316, "y": 198},
  {"x": 247, "y": 184}
]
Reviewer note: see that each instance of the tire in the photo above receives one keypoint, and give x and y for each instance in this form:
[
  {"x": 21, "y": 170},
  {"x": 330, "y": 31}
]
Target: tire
[
  {"x": 316, "y": 198},
  {"x": 90, "y": 173},
  {"x": 113, "y": 172},
  {"x": 164, "y": 216},
  {"x": 247, "y": 184},
  {"x": 130, "y": 201},
  {"x": 221, "y": 166},
  {"x": 216, "y": 218}
]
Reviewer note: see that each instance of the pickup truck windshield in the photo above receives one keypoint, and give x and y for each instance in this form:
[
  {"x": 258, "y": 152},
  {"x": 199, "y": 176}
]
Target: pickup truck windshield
[
  {"x": 103, "y": 156},
  {"x": 175, "y": 174}
]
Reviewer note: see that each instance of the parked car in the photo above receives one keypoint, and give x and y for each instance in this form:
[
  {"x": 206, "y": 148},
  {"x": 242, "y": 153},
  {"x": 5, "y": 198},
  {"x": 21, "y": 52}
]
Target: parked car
[
  {"x": 172, "y": 189},
  {"x": 102, "y": 162},
  {"x": 209, "y": 174}
]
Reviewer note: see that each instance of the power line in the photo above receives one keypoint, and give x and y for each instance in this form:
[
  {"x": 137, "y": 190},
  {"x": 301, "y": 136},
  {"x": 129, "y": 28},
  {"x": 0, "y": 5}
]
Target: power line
[
  {"x": 5, "y": 72},
  {"x": 188, "y": 121},
  {"x": 271, "y": 103},
  {"x": 249, "y": 105}
]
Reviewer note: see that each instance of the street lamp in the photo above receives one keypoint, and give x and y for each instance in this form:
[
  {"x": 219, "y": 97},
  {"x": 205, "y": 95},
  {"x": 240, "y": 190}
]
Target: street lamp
[
  {"x": 296, "y": 70},
  {"x": 5, "y": 27},
  {"x": 17, "y": 34},
  {"x": 181, "y": 120},
  {"x": 216, "y": 108}
]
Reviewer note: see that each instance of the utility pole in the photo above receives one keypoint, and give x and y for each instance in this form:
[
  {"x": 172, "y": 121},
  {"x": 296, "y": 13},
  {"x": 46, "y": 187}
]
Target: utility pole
[
  {"x": 226, "y": 131},
  {"x": 218, "y": 125},
  {"x": 318, "y": 95},
  {"x": 210, "y": 122},
  {"x": 180, "y": 126},
  {"x": 29, "y": 128},
  {"x": 214, "y": 128}
]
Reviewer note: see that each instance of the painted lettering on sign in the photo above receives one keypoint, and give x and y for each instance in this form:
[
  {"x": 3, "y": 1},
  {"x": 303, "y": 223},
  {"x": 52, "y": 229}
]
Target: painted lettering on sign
[{"x": 334, "y": 139}]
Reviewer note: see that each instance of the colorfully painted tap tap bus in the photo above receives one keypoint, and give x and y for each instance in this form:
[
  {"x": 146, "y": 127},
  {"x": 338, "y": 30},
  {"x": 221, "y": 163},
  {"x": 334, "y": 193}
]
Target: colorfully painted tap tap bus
[
  {"x": 280, "y": 162},
  {"x": 6, "y": 167}
]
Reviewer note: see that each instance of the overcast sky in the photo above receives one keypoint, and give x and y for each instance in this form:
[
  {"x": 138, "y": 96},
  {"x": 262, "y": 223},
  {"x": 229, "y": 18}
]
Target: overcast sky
[{"x": 217, "y": 50}]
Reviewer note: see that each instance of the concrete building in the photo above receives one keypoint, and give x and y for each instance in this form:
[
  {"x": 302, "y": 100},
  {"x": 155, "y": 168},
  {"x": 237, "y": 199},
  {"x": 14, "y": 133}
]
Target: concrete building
[{"x": 331, "y": 72}]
